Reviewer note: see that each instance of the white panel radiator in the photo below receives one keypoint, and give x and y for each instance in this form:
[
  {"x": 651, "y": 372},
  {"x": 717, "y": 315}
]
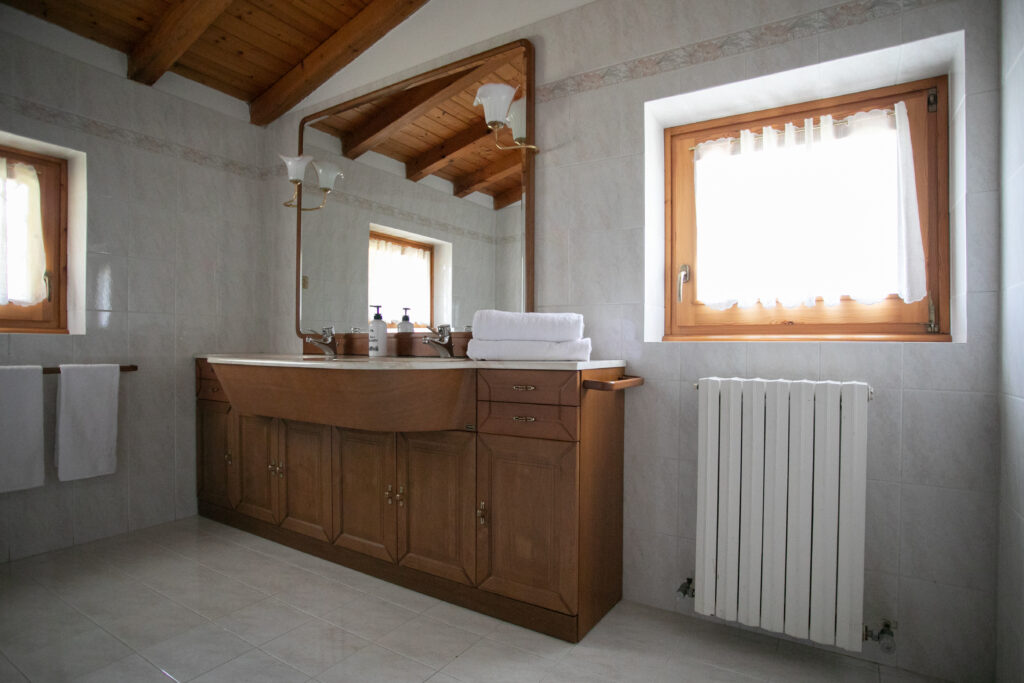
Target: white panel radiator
[{"x": 780, "y": 506}]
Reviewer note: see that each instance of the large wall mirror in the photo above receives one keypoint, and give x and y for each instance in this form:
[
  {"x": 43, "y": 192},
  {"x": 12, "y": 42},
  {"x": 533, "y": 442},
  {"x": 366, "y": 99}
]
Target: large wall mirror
[{"x": 431, "y": 215}]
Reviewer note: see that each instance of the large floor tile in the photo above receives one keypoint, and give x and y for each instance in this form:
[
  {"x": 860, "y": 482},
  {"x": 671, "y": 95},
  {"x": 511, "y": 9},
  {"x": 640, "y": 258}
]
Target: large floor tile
[
  {"x": 370, "y": 617},
  {"x": 263, "y": 621},
  {"x": 131, "y": 669},
  {"x": 201, "y": 589},
  {"x": 318, "y": 596},
  {"x": 491, "y": 662},
  {"x": 196, "y": 651},
  {"x": 315, "y": 646},
  {"x": 429, "y": 642},
  {"x": 253, "y": 667},
  {"x": 374, "y": 663},
  {"x": 66, "y": 658}
]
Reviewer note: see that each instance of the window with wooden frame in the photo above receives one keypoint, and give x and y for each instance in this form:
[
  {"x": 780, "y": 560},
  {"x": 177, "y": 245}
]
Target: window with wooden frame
[
  {"x": 33, "y": 242},
  {"x": 800, "y": 222},
  {"x": 401, "y": 275}
]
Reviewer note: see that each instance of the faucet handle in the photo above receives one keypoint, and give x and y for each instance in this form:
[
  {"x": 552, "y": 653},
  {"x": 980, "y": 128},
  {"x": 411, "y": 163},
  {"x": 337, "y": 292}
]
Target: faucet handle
[
  {"x": 444, "y": 331},
  {"x": 328, "y": 333}
]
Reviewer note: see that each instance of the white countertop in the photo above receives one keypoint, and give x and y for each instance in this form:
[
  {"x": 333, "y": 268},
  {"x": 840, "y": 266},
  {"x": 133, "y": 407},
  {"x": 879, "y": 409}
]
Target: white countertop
[{"x": 402, "y": 362}]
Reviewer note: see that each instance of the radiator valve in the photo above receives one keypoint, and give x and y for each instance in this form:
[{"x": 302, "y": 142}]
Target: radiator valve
[{"x": 885, "y": 637}]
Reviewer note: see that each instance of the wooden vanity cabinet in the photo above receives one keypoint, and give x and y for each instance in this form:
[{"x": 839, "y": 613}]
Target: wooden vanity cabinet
[
  {"x": 435, "y": 498},
  {"x": 404, "y": 498},
  {"x": 216, "y": 464},
  {"x": 365, "y": 484},
  {"x": 518, "y": 516}
]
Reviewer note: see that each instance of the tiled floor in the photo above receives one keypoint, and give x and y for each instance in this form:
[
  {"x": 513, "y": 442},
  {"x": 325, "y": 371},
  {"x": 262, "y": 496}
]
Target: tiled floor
[{"x": 196, "y": 600}]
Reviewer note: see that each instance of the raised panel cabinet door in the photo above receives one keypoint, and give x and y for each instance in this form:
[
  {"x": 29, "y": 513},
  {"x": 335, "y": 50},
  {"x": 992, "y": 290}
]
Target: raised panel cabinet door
[
  {"x": 435, "y": 500},
  {"x": 218, "y": 472},
  {"x": 528, "y": 537},
  {"x": 304, "y": 478},
  {"x": 257, "y": 462},
  {"x": 364, "y": 492}
]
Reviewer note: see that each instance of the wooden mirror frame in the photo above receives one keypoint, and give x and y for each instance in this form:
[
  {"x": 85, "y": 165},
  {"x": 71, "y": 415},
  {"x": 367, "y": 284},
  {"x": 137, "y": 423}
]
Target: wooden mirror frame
[{"x": 351, "y": 343}]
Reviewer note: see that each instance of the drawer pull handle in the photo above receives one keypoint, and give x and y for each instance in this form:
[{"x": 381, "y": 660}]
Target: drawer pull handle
[
  {"x": 521, "y": 418},
  {"x": 523, "y": 387}
]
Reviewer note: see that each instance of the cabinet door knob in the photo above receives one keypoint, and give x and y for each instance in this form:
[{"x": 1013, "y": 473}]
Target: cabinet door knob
[
  {"x": 481, "y": 514},
  {"x": 227, "y": 457},
  {"x": 271, "y": 467},
  {"x": 387, "y": 495},
  {"x": 280, "y": 470},
  {"x": 523, "y": 387},
  {"x": 400, "y": 497},
  {"x": 523, "y": 418}
]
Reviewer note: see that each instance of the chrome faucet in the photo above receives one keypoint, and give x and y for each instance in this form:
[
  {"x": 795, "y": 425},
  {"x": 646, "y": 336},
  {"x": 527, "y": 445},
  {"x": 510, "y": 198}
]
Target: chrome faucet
[
  {"x": 442, "y": 343},
  {"x": 324, "y": 342}
]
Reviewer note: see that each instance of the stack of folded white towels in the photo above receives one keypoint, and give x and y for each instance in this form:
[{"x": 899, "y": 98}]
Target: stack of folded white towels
[{"x": 503, "y": 335}]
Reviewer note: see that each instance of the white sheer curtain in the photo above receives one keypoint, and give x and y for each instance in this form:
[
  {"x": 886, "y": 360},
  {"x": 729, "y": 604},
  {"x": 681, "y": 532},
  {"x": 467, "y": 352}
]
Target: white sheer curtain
[
  {"x": 22, "y": 252},
  {"x": 400, "y": 278},
  {"x": 823, "y": 211}
]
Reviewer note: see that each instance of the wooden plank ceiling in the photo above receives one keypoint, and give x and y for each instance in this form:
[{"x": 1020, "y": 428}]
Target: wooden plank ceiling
[
  {"x": 429, "y": 124},
  {"x": 269, "y": 53}
]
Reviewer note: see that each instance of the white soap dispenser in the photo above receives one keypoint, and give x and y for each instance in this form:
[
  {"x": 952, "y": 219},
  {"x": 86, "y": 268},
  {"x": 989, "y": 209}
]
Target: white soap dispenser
[
  {"x": 378, "y": 334},
  {"x": 406, "y": 325}
]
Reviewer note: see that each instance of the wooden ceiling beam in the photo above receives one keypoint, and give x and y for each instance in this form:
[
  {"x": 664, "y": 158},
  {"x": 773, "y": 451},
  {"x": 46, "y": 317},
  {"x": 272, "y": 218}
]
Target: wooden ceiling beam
[
  {"x": 436, "y": 158},
  {"x": 371, "y": 24},
  {"x": 508, "y": 197},
  {"x": 171, "y": 37},
  {"x": 413, "y": 104},
  {"x": 505, "y": 166}
]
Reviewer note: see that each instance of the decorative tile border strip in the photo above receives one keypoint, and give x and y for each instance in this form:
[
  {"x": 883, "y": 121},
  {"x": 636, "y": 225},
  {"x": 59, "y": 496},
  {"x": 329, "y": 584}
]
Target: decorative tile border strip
[
  {"x": 149, "y": 143},
  {"x": 768, "y": 35},
  {"x": 378, "y": 208}
]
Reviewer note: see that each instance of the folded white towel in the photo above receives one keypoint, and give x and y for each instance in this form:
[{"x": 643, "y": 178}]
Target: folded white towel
[
  {"x": 482, "y": 349},
  {"x": 86, "y": 421},
  {"x": 21, "y": 427},
  {"x": 491, "y": 325}
]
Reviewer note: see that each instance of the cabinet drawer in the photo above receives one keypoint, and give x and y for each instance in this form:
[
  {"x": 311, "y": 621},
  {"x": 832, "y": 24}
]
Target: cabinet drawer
[
  {"x": 529, "y": 419},
  {"x": 211, "y": 390},
  {"x": 553, "y": 387}
]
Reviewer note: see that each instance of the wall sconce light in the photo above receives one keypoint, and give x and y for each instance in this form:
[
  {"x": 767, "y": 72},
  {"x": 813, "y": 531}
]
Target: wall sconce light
[
  {"x": 501, "y": 111},
  {"x": 327, "y": 173}
]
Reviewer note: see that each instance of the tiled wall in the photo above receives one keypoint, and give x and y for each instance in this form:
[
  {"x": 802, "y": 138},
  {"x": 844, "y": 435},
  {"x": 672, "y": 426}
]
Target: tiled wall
[
  {"x": 1010, "y": 618},
  {"x": 177, "y": 255},
  {"x": 934, "y": 448}
]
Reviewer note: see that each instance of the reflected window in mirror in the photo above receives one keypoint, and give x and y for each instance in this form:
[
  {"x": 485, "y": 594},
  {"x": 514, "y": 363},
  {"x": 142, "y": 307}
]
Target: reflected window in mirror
[{"x": 401, "y": 275}]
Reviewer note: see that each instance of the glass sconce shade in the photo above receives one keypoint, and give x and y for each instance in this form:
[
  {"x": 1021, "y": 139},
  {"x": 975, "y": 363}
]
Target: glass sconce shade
[
  {"x": 517, "y": 119},
  {"x": 296, "y": 166},
  {"x": 327, "y": 173},
  {"x": 496, "y": 98}
]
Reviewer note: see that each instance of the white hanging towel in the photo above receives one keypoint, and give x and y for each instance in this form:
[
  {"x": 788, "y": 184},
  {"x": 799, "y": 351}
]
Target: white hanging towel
[
  {"x": 21, "y": 427},
  {"x": 482, "y": 349},
  {"x": 492, "y": 325},
  {"x": 86, "y": 421}
]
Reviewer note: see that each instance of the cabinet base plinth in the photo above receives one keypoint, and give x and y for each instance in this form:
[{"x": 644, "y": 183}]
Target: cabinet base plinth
[{"x": 563, "y": 626}]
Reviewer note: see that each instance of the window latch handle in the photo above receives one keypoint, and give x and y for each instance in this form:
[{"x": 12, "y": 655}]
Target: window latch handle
[{"x": 682, "y": 279}]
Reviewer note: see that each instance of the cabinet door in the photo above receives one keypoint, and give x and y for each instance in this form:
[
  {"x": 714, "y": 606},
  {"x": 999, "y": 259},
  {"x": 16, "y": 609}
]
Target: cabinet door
[
  {"x": 364, "y": 489},
  {"x": 216, "y": 464},
  {"x": 304, "y": 478},
  {"x": 528, "y": 539},
  {"x": 257, "y": 460},
  {"x": 435, "y": 498}
]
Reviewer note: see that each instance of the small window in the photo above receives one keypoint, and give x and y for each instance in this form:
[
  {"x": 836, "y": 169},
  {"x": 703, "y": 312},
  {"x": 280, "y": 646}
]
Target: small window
[
  {"x": 33, "y": 242},
  {"x": 401, "y": 276},
  {"x": 822, "y": 220}
]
